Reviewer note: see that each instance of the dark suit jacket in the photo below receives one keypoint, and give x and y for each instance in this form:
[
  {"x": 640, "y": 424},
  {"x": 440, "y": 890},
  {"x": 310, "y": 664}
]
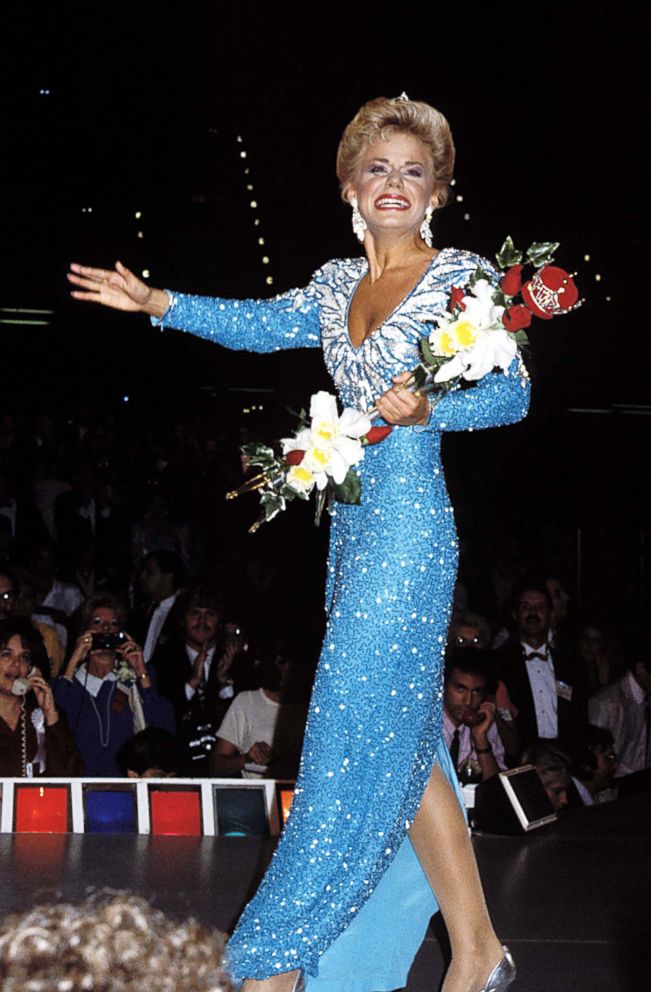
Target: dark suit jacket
[{"x": 571, "y": 713}]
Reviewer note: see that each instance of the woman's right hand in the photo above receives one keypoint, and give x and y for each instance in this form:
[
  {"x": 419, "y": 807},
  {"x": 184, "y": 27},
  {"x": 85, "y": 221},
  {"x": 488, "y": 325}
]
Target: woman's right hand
[
  {"x": 118, "y": 288},
  {"x": 82, "y": 650}
]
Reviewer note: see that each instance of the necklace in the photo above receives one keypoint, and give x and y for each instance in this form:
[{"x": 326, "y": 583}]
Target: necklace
[{"x": 104, "y": 738}]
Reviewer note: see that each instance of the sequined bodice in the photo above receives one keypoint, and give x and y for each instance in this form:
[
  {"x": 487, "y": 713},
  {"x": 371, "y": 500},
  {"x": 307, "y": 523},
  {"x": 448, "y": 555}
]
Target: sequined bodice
[{"x": 361, "y": 374}]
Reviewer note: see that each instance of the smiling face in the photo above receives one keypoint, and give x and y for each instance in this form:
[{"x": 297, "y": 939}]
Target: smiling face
[
  {"x": 394, "y": 184},
  {"x": 533, "y": 617},
  {"x": 201, "y": 625},
  {"x": 15, "y": 663}
]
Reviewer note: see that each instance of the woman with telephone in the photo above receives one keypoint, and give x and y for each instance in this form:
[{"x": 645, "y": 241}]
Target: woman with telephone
[{"x": 34, "y": 736}]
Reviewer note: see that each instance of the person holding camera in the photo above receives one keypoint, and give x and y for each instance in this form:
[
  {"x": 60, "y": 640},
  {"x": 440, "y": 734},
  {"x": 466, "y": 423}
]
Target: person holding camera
[
  {"x": 106, "y": 690},
  {"x": 34, "y": 736}
]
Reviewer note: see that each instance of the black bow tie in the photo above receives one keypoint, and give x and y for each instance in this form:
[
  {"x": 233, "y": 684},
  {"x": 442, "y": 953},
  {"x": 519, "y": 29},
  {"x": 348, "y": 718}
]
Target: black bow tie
[{"x": 535, "y": 654}]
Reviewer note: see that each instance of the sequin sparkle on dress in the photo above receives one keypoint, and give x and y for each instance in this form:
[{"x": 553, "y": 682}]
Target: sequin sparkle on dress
[{"x": 345, "y": 898}]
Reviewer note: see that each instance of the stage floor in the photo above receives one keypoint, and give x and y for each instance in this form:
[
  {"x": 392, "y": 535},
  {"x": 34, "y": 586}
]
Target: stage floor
[{"x": 572, "y": 900}]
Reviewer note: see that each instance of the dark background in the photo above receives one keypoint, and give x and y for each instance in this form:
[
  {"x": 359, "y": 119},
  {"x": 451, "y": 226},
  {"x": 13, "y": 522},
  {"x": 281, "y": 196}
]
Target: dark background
[{"x": 144, "y": 110}]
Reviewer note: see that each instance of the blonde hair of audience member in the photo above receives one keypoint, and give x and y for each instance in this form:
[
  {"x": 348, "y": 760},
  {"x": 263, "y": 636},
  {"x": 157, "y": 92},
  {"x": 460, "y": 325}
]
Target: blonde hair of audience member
[{"x": 110, "y": 942}]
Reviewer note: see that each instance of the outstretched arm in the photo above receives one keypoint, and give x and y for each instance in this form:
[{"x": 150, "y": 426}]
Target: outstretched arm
[
  {"x": 119, "y": 289},
  {"x": 290, "y": 320}
]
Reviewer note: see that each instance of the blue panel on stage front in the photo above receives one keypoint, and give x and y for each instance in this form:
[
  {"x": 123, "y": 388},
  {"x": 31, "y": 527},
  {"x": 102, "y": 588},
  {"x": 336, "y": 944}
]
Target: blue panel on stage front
[{"x": 111, "y": 812}]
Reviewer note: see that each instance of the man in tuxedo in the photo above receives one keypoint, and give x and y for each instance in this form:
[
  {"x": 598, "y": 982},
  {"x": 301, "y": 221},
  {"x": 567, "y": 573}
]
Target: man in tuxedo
[
  {"x": 545, "y": 687},
  {"x": 161, "y": 577},
  {"x": 194, "y": 672}
]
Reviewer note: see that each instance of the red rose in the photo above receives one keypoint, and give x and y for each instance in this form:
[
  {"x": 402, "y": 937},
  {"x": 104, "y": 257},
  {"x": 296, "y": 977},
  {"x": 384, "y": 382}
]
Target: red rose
[
  {"x": 377, "y": 434},
  {"x": 550, "y": 292},
  {"x": 511, "y": 282},
  {"x": 294, "y": 457},
  {"x": 516, "y": 318},
  {"x": 456, "y": 296}
]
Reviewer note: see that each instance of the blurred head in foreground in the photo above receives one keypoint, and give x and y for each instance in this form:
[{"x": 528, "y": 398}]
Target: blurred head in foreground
[{"x": 111, "y": 942}]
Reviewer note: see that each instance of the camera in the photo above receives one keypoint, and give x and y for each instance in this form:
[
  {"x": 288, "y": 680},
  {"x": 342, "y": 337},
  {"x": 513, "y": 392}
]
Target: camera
[{"x": 107, "y": 641}]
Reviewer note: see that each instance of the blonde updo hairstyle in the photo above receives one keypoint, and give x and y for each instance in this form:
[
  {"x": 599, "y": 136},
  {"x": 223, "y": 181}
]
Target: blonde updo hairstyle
[
  {"x": 379, "y": 120},
  {"x": 111, "y": 942}
]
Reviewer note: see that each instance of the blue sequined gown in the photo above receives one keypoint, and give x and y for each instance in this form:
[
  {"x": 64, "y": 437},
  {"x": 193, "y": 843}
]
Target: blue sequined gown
[{"x": 345, "y": 898}]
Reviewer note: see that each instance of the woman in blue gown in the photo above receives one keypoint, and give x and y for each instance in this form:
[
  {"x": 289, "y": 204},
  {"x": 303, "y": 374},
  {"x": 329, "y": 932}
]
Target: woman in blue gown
[{"x": 376, "y": 839}]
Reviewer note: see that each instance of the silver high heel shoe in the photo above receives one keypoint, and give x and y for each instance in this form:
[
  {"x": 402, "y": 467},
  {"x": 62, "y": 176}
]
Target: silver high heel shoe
[{"x": 502, "y": 975}]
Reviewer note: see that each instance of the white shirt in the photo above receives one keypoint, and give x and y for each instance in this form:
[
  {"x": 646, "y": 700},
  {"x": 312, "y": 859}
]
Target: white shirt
[
  {"x": 90, "y": 682},
  {"x": 621, "y": 708},
  {"x": 192, "y": 657},
  {"x": 65, "y": 597},
  {"x": 158, "y": 618},
  {"x": 466, "y": 746},
  {"x": 250, "y": 718},
  {"x": 542, "y": 679}
]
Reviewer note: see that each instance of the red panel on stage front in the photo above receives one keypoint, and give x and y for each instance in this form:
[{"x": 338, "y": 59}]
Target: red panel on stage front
[
  {"x": 41, "y": 809},
  {"x": 176, "y": 813}
]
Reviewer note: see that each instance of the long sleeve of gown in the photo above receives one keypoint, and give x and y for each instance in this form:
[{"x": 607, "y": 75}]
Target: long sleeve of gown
[
  {"x": 290, "y": 320},
  {"x": 496, "y": 400}
]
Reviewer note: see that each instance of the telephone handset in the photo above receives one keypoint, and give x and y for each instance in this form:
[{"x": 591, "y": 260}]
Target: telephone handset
[{"x": 21, "y": 686}]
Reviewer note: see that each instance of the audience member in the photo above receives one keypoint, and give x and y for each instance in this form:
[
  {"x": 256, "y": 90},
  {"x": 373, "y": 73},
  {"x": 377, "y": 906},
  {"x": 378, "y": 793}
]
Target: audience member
[
  {"x": 594, "y": 762},
  {"x": 561, "y": 600},
  {"x": 553, "y": 767},
  {"x": 34, "y": 736},
  {"x": 151, "y": 753},
  {"x": 110, "y": 942},
  {"x": 593, "y": 657},
  {"x": 470, "y": 630},
  {"x": 262, "y": 732},
  {"x": 469, "y": 716},
  {"x": 544, "y": 685},
  {"x": 106, "y": 689},
  {"x": 55, "y": 601},
  {"x": 18, "y": 598},
  {"x": 194, "y": 672},
  {"x": 161, "y": 577},
  {"x": 623, "y": 709}
]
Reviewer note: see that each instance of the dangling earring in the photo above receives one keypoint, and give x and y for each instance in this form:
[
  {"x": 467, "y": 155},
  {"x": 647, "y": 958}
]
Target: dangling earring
[
  {"x": 425, "y": 229},
  {"x": 359, "y": 224}
]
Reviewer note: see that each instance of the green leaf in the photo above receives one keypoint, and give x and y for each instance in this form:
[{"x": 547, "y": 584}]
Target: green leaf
[
  {"x": 262, "y": 455},
  {"x": 291, "y": 494},
  {"x": 508, "y": 255},
  {"x": 521, "y": 339},
  {"x": 420, "y": 376},
  {"x": 350, "y": 490},
  {"x": 542, "y": 252},
  {"x": 477, "y": 275},
  {"x": 429, "y": 358},
  {"x": 499, "y": 298},
  {"x": 272, "y": 504}
]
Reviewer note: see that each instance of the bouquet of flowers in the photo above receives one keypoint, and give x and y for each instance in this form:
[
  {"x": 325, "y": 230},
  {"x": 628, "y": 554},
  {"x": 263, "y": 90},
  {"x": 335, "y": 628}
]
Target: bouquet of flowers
[{"x": 483, "y": 330}]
